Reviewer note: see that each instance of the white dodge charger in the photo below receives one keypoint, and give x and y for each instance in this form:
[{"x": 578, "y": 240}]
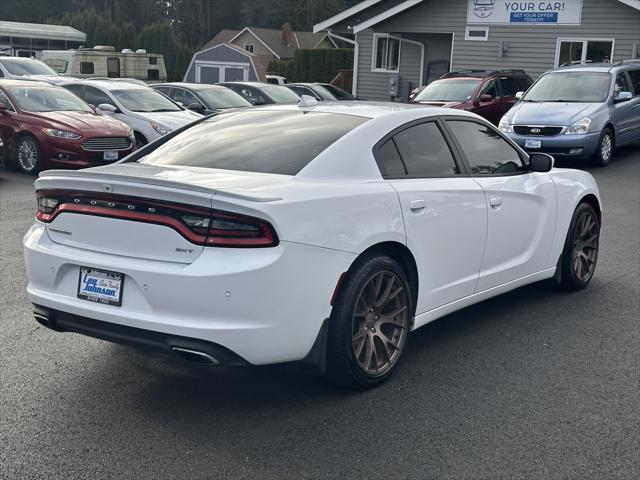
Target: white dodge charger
[{"x": 315, "y": 234}]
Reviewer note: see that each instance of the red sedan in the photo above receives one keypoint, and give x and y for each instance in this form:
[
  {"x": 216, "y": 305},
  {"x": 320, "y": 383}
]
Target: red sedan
[{"x": 43, "y": 126}]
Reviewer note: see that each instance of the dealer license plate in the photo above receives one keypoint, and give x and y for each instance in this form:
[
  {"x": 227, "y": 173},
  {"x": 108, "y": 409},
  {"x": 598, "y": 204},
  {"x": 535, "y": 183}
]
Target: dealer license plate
[
  {"x": 110, "y": 155},
  {"x": 532, "y": 143},
  {"x": 100, "y": 286}
]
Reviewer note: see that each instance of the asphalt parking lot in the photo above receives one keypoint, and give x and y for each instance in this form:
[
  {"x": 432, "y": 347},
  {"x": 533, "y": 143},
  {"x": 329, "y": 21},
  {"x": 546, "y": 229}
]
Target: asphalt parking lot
[{"x": 536, "y": 383}]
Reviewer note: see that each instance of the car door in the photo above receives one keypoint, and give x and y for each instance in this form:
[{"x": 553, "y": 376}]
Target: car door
[
  {"x": 634, "y": 78},
  {"x": 521, "y": 204},
  {"x": 626, "y": 114},
  {"x": 492, "y": 108},
  {"x": 444, "y": 211}
]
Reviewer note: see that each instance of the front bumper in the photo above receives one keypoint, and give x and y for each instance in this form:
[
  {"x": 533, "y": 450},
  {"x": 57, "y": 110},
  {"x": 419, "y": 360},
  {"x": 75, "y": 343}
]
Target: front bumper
[
  {"x": 71, "y": 154},
  {"x": 264, "y": 305},
  {"x": 564, "y": 146}
]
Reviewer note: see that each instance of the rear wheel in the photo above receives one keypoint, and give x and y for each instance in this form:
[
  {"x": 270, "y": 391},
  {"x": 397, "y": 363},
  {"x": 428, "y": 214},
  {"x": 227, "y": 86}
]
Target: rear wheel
[
  {"x": 369, "y": 323},
  {"x": 28, "y": 157},
  {"x": 580, "y": 254},
  {"x": 604, "y": 151}
]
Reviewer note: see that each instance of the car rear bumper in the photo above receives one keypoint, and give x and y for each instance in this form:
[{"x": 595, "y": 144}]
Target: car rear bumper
[
  {"x": 263, "y": 305},
  {"x": 568, "y": 146}
]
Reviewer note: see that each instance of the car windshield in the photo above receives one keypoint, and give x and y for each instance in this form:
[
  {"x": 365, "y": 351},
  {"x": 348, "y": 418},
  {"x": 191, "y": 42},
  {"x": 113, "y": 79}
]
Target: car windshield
[
  {"x": 221, "y": 97},
  {"x": 280, "y": 94},
  {"x": 448, "y": 91},
  {"x": 582, "y": 87},
  {"x": 26, "y": 66},
  {"x": 280, "y": 142},
  {"x": 45, "y": 98},
  {"x": 144, "y": 100}
]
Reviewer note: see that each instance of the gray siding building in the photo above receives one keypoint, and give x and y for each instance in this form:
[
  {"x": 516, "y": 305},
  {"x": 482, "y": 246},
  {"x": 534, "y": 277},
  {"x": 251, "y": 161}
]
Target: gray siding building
[{"x": 418, "y": 40}]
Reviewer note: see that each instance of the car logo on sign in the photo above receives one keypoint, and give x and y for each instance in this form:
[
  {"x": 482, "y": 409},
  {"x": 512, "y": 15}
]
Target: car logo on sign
[{"x": 536, "y": 131}]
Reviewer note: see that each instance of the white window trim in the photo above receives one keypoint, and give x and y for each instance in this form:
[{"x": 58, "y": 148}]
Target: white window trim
[
  {"x": 476, "y": 39},
  {"x": 374, "y": 50},
  {"x": 584, "y": 41}
]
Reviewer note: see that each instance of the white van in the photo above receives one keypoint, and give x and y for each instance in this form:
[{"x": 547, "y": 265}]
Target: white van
[{"x": 104, "y": 61}]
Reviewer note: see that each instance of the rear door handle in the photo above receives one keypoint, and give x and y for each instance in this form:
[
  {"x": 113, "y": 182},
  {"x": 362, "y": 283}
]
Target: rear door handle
[
  {"x": 495, "y": 202},
  {"x": 417, "y": 205}
]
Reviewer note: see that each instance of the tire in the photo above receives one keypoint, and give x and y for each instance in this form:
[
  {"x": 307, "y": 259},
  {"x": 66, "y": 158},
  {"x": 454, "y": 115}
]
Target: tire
[
  {"x": 141, "y": 141},
  {"x": 580, "y": 253},
  {"x": 604, "y": 151},
  {"x": 368, "y": 333},
  {"x": 28, "y": 156}
]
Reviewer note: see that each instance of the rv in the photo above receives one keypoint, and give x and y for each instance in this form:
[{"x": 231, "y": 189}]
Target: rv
[{"x": 104, "y": 61}]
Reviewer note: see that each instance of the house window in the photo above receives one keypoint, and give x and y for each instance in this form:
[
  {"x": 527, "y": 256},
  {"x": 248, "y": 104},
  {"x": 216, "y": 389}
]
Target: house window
[
  {"x": 578, "y": 50},
  {"x": 386, "y": 53},
  {"x": 86, "y": 68},
  {"x": 477, "y": 34},
  {"x": 249, "y": 47}
]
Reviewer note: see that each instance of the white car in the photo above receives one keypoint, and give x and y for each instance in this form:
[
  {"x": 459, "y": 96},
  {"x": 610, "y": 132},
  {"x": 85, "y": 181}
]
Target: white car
[
  {"x": 19, "y": 68},
  {"x": 319, "y": 233},
  {"x": 149, "y": 113}
]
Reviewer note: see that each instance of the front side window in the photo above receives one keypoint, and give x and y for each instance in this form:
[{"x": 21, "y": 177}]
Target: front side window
[
  {"x": 509, "y": 86},
  {"x": 622, "y": 85},
  {"x": 47, "y": 99},
  {"x": 5, "y": 101},
  {"x": 578, "y": 87},
  {"x": 280, "y": 94},
  {"x": 485, "y": 150},
  {"x": 387, "y": 53},
  {"x": 425, "y": 152},
  {"x": 96, "y": 97},
  {"x": 491, "y": 88},
  {"x": 184, "y": 97},
  {"x": 279, "y": 142}
]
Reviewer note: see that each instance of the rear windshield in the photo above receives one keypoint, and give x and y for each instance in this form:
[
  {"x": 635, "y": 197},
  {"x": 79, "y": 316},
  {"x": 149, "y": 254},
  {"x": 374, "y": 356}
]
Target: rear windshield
[
  {"x": 448, "y": 91},
  {"x": 281, "y": 142}
]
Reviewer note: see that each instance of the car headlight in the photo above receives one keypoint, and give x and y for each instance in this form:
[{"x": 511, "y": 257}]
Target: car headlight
[
  {"x": 580, "y": 127},
  {"x": 504, "y": 125},
  {"x": 52, "y": 132},
  {"x": 161, "y": 129}
]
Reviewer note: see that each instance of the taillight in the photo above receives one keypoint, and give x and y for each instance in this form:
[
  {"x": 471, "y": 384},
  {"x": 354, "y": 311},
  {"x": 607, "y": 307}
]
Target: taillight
[{"x": 201, "y": 226}]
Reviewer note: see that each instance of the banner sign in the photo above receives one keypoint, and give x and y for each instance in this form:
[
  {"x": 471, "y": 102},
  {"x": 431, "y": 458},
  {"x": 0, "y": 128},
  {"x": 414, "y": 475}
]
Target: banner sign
[{"x": 488, "y": 12}]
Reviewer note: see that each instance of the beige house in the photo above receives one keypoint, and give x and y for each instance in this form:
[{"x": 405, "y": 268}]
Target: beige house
[{"x": 245, "y": 54}]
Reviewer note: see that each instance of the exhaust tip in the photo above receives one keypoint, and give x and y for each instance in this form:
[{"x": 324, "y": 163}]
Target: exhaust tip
[
  {"x": 195, "y": 356},
  {"x": 42, "y": 320}
]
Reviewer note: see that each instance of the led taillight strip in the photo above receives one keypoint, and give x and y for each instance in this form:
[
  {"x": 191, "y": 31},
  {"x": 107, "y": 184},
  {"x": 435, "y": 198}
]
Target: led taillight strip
[{"x": 213, "y": 237}]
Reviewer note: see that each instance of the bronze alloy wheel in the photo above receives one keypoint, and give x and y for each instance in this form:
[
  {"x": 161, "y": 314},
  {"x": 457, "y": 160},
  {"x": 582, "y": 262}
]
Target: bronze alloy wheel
[
  {"x": 585, "y": 246},
  {"x": 380, "y": 323}
]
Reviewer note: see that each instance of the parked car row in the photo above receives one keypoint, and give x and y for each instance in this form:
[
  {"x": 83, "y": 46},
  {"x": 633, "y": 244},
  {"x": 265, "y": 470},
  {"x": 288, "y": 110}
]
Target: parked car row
[{"x": 577, "y": 111}]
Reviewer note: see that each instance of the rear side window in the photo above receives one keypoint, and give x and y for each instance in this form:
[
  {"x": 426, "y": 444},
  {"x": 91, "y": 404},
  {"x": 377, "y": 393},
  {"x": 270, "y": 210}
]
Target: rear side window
[
  {"x": 389, "y": 160},
  {"x": 425, "y": 152},
  {"x": 485, "y": 150},
  {"x": 280, "y": 142},
  {"x": 634, "y": 75}
]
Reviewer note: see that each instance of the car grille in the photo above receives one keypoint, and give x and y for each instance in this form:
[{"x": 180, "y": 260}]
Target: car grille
[
  {"x": 100, "y": 144},
  {"x": 537, "y": 131}
]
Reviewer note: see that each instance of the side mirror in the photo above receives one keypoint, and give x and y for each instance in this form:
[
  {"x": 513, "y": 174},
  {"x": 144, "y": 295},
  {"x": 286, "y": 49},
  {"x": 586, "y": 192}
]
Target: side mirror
[
  {"x": 107, "y": 108},
  {"x": 197, "y": 107},
  {"x": 519, "y": 95},
  {"x": 541, "y": 162},
  {"x": 624, "y": 97},
  {"x": 485, "y": 97}
]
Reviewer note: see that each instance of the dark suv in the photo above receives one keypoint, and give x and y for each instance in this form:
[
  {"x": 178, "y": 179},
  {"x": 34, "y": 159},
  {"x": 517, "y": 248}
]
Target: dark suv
[{"x": 489, "y": 94}]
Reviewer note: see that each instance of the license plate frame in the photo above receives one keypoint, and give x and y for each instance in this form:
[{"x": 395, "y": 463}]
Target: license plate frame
[
  {"x": 533, "y": 143},
  {"x": 88, "y": 279},
  {"x": 110, "y": 155}
]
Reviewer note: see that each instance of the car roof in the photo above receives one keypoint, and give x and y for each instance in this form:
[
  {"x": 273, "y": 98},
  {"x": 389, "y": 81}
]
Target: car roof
[
  {"x": 367, "y": 109},
  {"x": 107, "y": 84},
  {"x": 252, "y": 84},
  {"x": 586, "y": 67},
  {"x": 195, "y": 86},
  {"x": 512, "y": 72},
  {"x": 8, "y": 82}
]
